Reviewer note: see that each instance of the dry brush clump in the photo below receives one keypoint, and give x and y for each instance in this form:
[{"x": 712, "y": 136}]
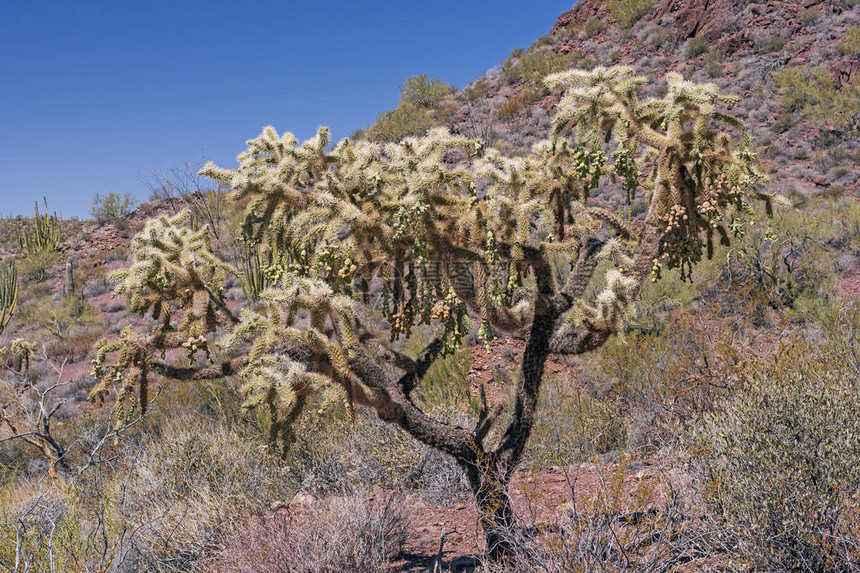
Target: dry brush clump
[
  {"x": 361, "y": 533},
  {"x": 780, "y": 458},
  {"x": 157, "y": 501},
  {"x": 643, "y": 520}
]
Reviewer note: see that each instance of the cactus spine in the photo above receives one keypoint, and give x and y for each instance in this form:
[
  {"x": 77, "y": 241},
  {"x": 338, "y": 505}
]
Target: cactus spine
[
  {"x": 45, "y": 236},
  {"x": 8, "y": 293}
]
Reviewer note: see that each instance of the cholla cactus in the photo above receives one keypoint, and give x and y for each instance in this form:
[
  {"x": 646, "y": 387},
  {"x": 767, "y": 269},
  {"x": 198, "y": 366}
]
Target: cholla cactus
[
  {"x": 174, "y": 267},
  {"x": 8, "y": 293},
  {"x": 21, "y": 351},
  {"x": 697, "y": 172},
  {"x": 424, "y": 230},
  {"x": 130, "y": 370}
]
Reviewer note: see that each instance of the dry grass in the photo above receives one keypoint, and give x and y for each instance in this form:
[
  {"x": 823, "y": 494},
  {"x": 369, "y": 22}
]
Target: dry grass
[{"x": 359, "y": 533}]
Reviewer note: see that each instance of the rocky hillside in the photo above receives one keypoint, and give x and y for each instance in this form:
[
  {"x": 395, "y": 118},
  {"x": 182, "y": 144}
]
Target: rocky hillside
[{"x": 795, "y": 64}]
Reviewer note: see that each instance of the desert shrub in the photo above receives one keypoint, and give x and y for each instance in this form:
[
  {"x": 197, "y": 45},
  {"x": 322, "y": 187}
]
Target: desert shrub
[
  {"x": 183, "y": 186},
  {"x": 60, "y": 318},
  {"x": 660, "y": 37},
  {"x": 626, "y": 12},
  {"x": 625, "y": 522},
  {"x": 850, "y": 44},
  {"x": 425, "y": 92},
  {"x": 664, "y": 378},
  {"x": 713, "y": 64},
  {"x": 787, "y": 259},
  {"x": 592, "y": 26},
  {"x": 332, "y": 455},
  {"x": 781, "y": 464},
  {"x": 772, "y": 43},
  {"x": 446, "y": 383},
  {"x": 814, "y": 94},
  {"x": 808, "y": 16},
  {"x": 183, "y": 481},
  {"x": 542, "y": 41},
  {"x": 420, "y": 98},
  {"x": 33, "y": 522},
  {"x": 111, "y": 207},
  {"x": 516, "y": 103},
  {"x": 784, "y": 122},
  {"x": 478, "y": 89},
  {"x": 156, "y": 502},
  {"x": 403, "y": 121},
  {"x": 573, "y": 426},
  {"x": 535, "y": 66},
  {"x": 360, "y": 533},
  {"x": 37, "y": 265},
  {"x": 696, "y": 47}
]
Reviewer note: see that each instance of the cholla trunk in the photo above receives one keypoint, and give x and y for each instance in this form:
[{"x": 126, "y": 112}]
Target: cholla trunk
[
  {"x": 495, "y": 510},
  {"x": 490, "y": 473}
]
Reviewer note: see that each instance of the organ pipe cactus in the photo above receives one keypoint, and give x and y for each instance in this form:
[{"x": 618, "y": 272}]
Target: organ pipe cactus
[
  {"x": 8, "y": 293},
  {"x": 44, "y": 236}
]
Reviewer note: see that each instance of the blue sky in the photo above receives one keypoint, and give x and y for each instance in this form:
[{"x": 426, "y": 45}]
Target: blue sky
[{"x": 94, "y": 94}]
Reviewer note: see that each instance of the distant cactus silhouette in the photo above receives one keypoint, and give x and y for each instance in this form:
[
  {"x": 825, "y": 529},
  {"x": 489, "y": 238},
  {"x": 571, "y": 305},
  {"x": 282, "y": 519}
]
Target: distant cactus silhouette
[{"x": 427, "y": 231}]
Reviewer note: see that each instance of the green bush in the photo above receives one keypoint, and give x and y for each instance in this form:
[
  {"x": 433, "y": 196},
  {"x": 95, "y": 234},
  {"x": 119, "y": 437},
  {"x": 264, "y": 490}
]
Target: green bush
[
  {"x": 517, "y": 102},
  {"x": 813, "y": 93},
  {"x": 109, "y": 208},
  {"x": 420, "y": 98},
  {"x": 663, "y": 377},
  {"x": 808, "y": 16},
  {"x": 781, "y": 465},
  {"x": 713, "y": 64},
  {"x": 850, "y": 44},
  {"x": 592, "y": 26},
  {"x": 696, "y": 46},
  {"x": 535, "y": 66},
  {"x": 424, "y": 92},
  {"x": 785, "y": 261},
  {"x": 403, "y": 121},
  {"x": 626, "y": 12},
  {"x": 772, "y": 43},
  {"x": 572, "y": 427},
  {"x": 478, "y": 89}
]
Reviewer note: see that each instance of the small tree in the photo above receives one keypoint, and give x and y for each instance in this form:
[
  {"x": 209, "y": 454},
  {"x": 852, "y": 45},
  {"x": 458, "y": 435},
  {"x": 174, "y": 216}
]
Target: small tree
[
  {"x": 378, "y": 240},
  {"x": 109, "y": 208},
  {"x": 423, "y": 91}
]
